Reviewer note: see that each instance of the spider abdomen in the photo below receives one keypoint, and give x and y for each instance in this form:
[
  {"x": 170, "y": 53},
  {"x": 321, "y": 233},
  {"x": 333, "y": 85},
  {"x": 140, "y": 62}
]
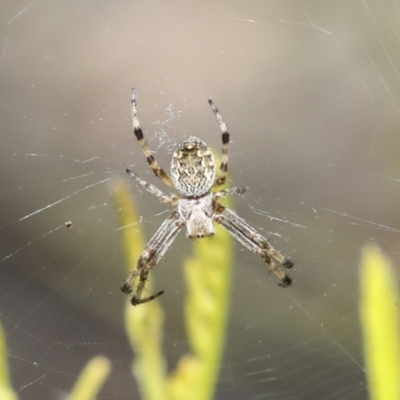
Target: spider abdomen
[{"x": 193, "y": 167}]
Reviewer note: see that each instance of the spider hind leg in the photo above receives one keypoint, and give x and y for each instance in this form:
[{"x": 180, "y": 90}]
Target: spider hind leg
[
  {"x": 154, "y": 251},
  {"x": 126, "y": 288},
  {"x": 288, "y": 263},
  {"x": 136, "y": 301},
  {"x": 285, "y": 282},
  {"x": 255, "y": 242}
]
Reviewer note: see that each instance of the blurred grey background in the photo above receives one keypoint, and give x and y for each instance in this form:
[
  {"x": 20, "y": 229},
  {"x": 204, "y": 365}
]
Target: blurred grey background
[{"x": 310, "y": 91}]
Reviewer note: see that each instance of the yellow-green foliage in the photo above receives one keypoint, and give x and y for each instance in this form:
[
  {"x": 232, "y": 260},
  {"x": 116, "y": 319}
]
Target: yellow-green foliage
[
  {"x": 208, "y": 276},
  {"x": 144, "y": 324},
  {"x": 6, "y": 390},
  {"x": 91, "y": 379},
  {"x": 380, "y": 323}
]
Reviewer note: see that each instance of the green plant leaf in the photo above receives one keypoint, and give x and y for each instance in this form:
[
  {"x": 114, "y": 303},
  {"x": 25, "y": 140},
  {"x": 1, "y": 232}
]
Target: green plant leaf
[
  {"x": 379, "y": 310},
  {"x": 91, "y": 379},
  {"x": 6, "y": 390}
]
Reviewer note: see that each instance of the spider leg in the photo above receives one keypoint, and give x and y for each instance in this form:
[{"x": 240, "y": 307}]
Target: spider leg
[
  {"x": 256, "y": 243},
  {"x": 154, "y": 251},
  {"x": 223, "y": 169},
  {"x": 137, "y": 130},
  {"x": 229, "y": 192},
  {"x": 172, "y": 201}
]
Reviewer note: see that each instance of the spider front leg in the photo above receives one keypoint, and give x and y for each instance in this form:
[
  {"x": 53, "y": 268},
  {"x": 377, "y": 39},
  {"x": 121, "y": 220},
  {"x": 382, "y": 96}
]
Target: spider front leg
[
  {"x": 154, "y": 251},
  {"x": 136, "y": 298},
  {"x": 223, "y": 170},
  {"x": 229, "y": 192},
  {"x": 171, "y": 201},
  {"x": 137, "y": 130},
  {"x": 255, "y": 242}
]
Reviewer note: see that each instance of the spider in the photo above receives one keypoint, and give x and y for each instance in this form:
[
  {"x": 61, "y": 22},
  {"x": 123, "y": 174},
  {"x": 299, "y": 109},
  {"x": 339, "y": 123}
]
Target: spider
[{"x": 194, "y": 175}]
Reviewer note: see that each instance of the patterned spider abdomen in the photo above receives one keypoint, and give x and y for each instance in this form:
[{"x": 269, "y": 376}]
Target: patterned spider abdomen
[{"x": 193, "y": 167}]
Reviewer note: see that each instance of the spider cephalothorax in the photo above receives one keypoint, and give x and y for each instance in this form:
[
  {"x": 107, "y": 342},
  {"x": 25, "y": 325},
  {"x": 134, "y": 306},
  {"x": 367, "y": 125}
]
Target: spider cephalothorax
[{"x": 193, "y": 175}]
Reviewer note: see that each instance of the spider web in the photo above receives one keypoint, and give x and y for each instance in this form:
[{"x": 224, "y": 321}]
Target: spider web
[{"x": 310, "y": 92}]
